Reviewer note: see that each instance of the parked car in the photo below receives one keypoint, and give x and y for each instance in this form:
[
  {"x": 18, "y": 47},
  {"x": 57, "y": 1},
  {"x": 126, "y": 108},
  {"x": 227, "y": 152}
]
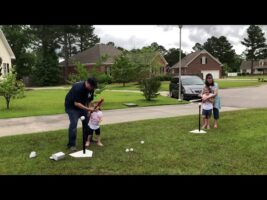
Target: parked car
[{"x": 190, "y": 89}]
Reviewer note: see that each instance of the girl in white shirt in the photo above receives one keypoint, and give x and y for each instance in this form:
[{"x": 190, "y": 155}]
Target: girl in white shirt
[{"x": 207, "y": 107}]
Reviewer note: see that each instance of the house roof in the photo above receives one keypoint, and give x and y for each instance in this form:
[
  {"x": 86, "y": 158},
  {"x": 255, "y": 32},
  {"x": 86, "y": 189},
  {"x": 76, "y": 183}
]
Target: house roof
[
  {"x": 92, "y": 55},
  {"x": 148, "y": 57},
  {"x": 3, "y": 38},
  {"x": 192, "y": 56},
  {"x": 246, "y": 64}
]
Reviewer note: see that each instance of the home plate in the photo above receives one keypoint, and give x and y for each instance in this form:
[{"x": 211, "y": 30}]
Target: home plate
[
  {"x": 197, "y": 131},
  {"x": 80, "y": 154}
]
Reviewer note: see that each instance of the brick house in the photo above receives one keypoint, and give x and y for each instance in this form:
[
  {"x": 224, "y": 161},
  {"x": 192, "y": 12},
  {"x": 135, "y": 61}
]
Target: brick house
[
  {"x": 199, "y": 63},
  {"x": 259, "y": 66},
  {"x": 92, "y": 55}
]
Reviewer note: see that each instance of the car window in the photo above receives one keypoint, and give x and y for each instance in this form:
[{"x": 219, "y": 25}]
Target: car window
[{"x": 192, "y": 81}]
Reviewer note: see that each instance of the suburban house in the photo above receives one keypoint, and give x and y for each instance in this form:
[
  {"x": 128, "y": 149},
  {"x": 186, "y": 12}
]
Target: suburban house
[
  {"x": 6, "y": 55},
  {"x": 155, "y": 59},
  {"x": 92, "y": 55},
  {"x": 259, "y": 66},
  {"x": 199, "y": 63}
]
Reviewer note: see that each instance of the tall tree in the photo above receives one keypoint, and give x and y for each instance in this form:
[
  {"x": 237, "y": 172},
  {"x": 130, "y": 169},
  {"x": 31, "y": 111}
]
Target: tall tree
[
  {"x": 46, "y": 71},
  {"x": 255, "y": 43},
  {"x": 123, "y": 70},
  {"x": 221, "y": 49},
  {"x": 111, "y": 44},
  {"x": 159, "y": 48},
  {"x": 20, "y": 40},
  {"x": 86, "y": 37},
  {"x": 173, "y": 56},
  {"x": 197, "y": 47}
]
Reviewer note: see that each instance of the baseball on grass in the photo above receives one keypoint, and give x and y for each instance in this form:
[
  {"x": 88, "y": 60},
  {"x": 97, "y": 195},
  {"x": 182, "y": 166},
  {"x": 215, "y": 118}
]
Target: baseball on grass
[
  {"x": 142, "y": 142},
  {"x": 131, "y": 149},
  {"x": 127, "y": 150},
  {"x": 82, "y": 118}
]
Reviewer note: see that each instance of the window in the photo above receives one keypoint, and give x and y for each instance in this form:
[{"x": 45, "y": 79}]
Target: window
[
  {"x": 4, "y": 68},
  {"x": 108, "y": 70},
  {"x": 203, "y": 60}
]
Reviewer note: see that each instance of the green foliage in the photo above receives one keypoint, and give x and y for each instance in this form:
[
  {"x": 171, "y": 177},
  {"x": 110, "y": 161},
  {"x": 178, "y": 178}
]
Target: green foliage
[
  {"x": 11, "y": 88},
  {"x": 255, "y": 43},
  {"x": 20, "y": 39},
  {"x": 173, "y": 56},
  {"x": 150, "y": 87},
  {"x": 123, "y": 70},
  {"x": 46, "y": 71},
  {"x": 164, "y": 77},
  {"x": 80, "y": 75},
  {"x": 102, "y": 79}
]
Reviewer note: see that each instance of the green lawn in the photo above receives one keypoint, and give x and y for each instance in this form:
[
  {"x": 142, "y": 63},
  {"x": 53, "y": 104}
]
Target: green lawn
[
  {"x": 238, "y": 147},
  {"x": 254, "y": 77},
  {"x": 51, "y": 101},
  {"x": 135, "y": 86},
  {"x": 224, "y": 84}
]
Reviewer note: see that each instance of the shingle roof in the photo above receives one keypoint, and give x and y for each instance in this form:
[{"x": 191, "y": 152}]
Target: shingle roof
[
  {"x": 92, "y": 55},
  {"x": 187, "y": 59}
]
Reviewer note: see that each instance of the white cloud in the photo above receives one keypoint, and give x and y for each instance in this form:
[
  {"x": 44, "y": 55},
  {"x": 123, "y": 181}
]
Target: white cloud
[{"x": 137, "y": 36}]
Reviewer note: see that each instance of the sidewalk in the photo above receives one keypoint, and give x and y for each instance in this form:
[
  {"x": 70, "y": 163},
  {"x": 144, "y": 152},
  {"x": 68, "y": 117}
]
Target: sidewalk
[{"x": 25, "y": 125}]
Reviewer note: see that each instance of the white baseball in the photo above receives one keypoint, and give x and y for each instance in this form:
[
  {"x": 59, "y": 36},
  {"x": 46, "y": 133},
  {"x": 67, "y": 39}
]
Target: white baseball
[
  {"x": 131, "y": 149},
  {"x": 127, "y": 150},
  {"x": 82, "y": 118},
  {"x": 142, "y": 142}
]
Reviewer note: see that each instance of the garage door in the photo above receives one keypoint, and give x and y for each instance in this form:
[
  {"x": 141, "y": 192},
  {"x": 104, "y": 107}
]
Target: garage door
[{"x": 215, "y": 73}]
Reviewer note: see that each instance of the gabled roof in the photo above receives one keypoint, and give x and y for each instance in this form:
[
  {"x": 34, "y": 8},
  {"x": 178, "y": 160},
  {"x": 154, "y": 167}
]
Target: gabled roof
[
  {"x": 3, "y": 38},
  {"x": 192, "y": 56},
  {"x": 92, "y": 55}
]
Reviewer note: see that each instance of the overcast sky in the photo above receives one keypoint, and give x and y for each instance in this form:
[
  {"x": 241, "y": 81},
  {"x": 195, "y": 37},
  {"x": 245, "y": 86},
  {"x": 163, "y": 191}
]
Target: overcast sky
[{"x": 137, "y": 36}]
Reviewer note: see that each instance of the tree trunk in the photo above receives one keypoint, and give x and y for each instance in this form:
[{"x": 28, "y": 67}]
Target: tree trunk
[
  {"x": 7, "y": 102},
  {"x": 252, "y": 70},
  {"x": 66, "y": 56},
  {"x": 81, "y": 43}
]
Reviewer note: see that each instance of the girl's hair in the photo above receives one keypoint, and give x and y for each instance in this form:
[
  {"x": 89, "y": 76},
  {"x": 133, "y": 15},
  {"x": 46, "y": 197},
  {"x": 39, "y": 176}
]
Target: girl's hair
[{"x": 209, "y": 75}]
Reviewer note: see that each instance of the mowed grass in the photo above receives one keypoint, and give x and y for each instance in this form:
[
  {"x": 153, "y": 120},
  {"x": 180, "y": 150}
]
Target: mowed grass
[
  {"x": 51, "y": 101},
  {"x": 135, "y": 86},
  {"x": 225, "y": 84},
  {"x": 254, "y": 77},
  {"x": 238, "y": 147}
]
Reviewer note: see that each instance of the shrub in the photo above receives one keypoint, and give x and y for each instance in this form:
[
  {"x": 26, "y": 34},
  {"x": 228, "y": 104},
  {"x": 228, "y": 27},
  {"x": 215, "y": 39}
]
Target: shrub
[{"x": 150, "y": 87}]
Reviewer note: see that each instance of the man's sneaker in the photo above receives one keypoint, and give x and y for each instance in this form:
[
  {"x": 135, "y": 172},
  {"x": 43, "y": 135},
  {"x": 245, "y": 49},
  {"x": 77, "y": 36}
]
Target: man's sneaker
[{"x": 73, "y": 148}]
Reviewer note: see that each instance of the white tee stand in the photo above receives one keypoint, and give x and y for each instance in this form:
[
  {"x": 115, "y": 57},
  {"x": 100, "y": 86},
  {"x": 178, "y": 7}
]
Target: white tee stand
[
  {"x": 83, "y": 153},
  {"x": 198, "y": 131}
]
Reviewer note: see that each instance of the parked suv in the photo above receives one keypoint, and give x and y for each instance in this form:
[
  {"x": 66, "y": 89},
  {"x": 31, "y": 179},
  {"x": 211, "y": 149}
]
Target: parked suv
[{"x": 191, "y": 87}]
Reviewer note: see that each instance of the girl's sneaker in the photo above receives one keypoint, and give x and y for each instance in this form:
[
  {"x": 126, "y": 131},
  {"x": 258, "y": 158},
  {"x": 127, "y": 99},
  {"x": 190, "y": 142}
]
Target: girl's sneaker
[{"x": 100, "y": 144}]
